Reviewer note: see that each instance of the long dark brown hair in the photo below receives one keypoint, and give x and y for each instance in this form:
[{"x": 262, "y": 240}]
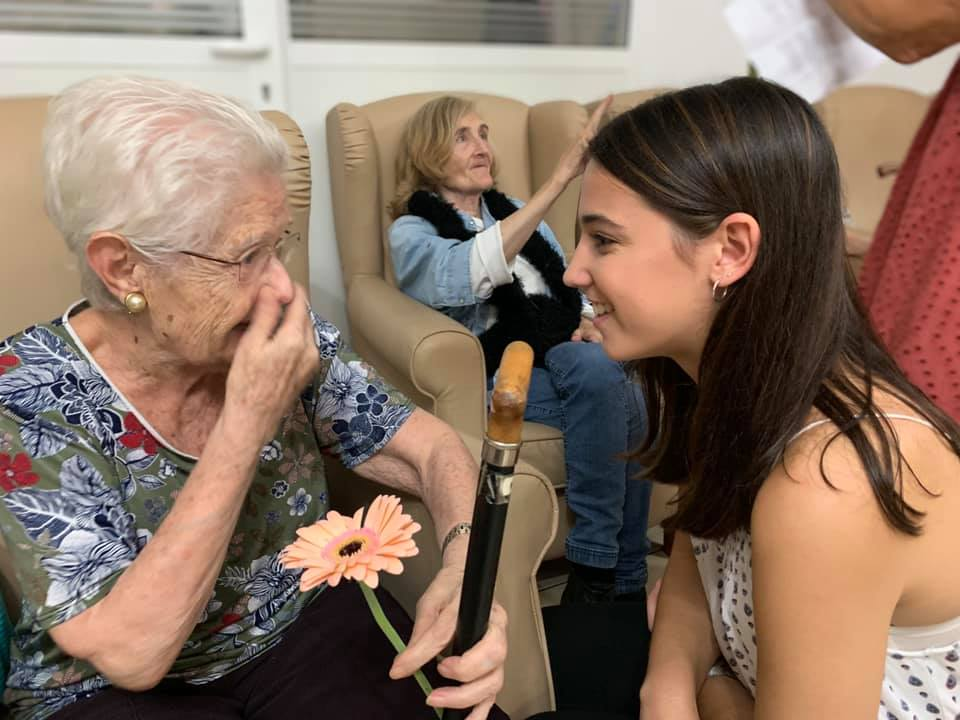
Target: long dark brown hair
[{"x": 791, "y": 334}]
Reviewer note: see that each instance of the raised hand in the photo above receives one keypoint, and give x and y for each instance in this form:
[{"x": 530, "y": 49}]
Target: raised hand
[{"x": 574, "y": 160}]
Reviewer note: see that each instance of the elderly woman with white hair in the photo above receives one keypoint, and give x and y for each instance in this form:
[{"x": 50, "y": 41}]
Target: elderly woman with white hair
[{"x": 163, "y": 437}]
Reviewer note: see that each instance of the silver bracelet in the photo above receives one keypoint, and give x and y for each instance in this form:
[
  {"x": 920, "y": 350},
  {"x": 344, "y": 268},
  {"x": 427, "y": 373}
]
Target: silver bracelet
[{"x": 461, "y": 528}]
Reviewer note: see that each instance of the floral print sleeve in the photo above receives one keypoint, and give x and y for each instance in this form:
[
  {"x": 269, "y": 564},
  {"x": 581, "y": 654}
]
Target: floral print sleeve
[
  {"x": 61, "y": 501},
  {"x": 355, "y": 412},
  {"x": 66, "y": 530}
]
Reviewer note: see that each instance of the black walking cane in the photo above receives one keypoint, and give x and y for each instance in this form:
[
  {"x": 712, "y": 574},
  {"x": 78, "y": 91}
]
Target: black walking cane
[{"x": 501, "y": 446}]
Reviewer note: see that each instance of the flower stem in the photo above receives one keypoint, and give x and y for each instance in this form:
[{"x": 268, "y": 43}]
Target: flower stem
[{"x": 394, "y": 638}]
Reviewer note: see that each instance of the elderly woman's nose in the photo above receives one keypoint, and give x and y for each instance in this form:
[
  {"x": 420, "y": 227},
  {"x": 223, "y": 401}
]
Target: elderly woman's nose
[{"x": 278, "y": 278}]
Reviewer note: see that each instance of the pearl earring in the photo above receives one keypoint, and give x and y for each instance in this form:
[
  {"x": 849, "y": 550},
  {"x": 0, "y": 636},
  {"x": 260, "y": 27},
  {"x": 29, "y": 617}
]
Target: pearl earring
[{"x": 135, "y": 302}]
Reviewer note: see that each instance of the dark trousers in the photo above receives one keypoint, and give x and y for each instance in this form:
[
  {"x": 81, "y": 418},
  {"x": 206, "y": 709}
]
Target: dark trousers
[
  {"x": 598, "y": 655},
  {"x": 332, "y": 663}
]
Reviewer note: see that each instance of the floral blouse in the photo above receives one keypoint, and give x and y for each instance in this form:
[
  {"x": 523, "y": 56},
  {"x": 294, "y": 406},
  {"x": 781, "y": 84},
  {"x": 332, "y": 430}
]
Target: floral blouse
[{"x": 85, "y": 483}]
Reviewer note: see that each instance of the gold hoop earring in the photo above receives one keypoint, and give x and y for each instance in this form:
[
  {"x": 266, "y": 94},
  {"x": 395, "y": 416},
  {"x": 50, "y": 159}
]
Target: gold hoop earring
[
  {"x": 135, "y": 302},
  {"x": 717, "y": 297}
]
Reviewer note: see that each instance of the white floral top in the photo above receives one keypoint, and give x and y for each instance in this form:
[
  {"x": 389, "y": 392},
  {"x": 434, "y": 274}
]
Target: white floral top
[{"x": 85, "y": 483}]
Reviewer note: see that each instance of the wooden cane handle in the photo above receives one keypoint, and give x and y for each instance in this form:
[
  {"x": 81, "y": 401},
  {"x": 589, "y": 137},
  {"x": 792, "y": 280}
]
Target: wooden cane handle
[{"x": 510, "y": 393}]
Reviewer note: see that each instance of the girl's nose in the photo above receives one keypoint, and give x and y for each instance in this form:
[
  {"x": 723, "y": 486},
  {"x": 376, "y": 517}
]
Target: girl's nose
[{"x": 576, "y": 274}]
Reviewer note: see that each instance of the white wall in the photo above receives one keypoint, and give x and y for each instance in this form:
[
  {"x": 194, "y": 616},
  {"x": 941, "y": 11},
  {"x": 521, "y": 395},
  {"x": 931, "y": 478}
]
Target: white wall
[{"x": 673, "y": 43}]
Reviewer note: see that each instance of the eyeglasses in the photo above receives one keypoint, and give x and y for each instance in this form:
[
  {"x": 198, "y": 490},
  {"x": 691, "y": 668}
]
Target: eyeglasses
[{"x": 254, "y": 263}]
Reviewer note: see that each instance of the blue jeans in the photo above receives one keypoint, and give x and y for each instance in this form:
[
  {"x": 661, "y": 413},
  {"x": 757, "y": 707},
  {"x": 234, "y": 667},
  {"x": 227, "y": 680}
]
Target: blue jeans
[{"x": 587, "y": 396}]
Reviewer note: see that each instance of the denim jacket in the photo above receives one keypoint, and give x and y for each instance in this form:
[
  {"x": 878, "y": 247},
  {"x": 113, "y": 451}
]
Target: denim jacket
[{"x": 436, "y": 270}]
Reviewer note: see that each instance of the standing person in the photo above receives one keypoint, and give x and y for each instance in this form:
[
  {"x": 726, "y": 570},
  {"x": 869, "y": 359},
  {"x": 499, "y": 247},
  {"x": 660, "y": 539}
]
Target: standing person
[
  {"x": 819, "y": 506},
  {"x": 911, "y": 273},
  {"x": 489, "y": 262},
  {"x": 160, "y": 444}
]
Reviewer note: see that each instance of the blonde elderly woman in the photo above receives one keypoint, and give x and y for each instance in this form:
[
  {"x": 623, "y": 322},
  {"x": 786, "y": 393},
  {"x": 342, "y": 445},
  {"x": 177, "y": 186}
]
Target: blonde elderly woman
[
  {"x": 489, "y": 262},
  {"x": 164, "y": 435}
]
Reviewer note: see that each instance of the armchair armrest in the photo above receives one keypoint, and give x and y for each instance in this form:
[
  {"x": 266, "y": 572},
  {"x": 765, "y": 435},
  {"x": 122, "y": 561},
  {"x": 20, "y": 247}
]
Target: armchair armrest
[{"x": 434, "y": 359}]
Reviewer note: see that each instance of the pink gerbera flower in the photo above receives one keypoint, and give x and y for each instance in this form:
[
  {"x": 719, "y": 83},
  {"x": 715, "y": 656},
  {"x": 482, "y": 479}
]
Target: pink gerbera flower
[{"x": 340, "y": 546}]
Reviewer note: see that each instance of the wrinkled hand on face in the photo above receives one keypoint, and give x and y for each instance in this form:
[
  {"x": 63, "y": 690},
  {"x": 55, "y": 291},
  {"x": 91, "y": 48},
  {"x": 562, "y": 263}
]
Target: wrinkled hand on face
[
  {"x": 479, "y": 670},
  {"x": 275, "y": 359}
]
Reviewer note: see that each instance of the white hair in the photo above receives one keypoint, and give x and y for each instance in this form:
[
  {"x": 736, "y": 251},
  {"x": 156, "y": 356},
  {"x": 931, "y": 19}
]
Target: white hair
[{"x": 152, "y": 160}]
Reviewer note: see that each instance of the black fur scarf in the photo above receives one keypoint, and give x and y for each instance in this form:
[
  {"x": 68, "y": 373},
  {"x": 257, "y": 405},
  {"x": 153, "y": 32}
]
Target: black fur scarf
[{"x": 540, "y": 320}]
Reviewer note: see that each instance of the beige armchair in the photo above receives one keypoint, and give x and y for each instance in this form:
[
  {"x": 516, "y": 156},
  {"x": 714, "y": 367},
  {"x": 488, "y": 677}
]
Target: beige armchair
[
  {"x": 872, "y": 127},
  {"x": 435, "y": 360},
  {"x": 38, "y": 280}
]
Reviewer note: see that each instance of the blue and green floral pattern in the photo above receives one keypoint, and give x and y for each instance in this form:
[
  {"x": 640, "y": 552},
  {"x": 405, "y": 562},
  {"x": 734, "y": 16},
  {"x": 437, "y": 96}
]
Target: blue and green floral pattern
[{"x": 84, "y": 485}]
